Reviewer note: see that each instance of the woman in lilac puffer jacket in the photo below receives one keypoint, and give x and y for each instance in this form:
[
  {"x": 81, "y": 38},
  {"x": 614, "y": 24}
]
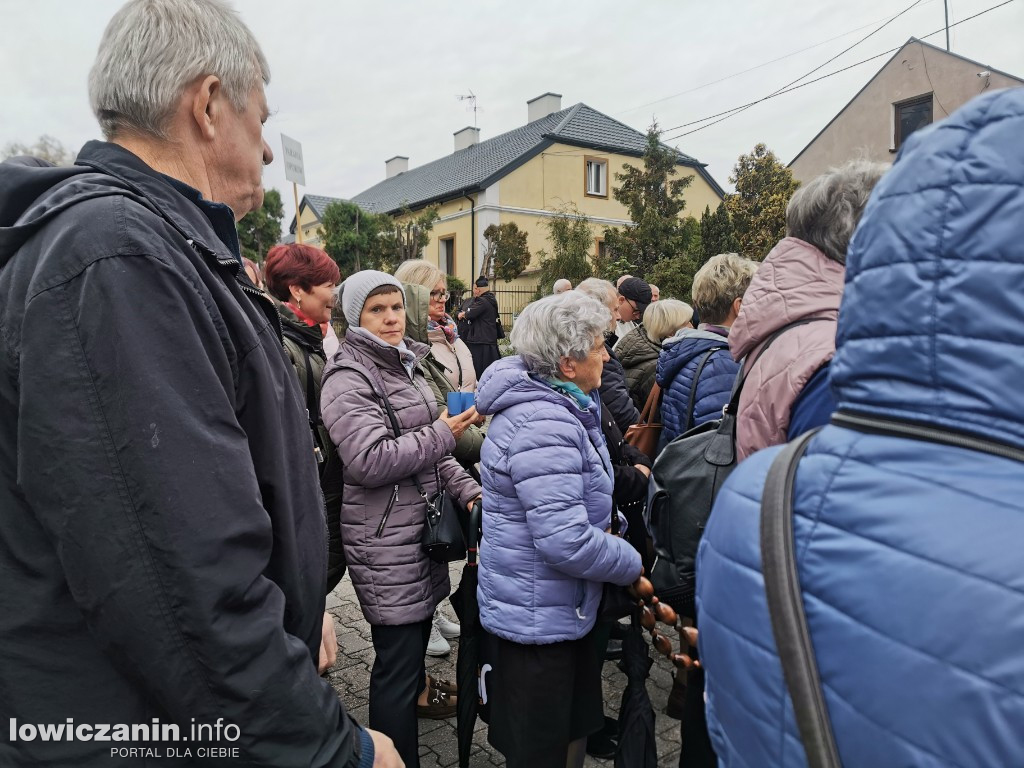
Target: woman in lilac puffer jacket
[{"x": 545, "y": 555}]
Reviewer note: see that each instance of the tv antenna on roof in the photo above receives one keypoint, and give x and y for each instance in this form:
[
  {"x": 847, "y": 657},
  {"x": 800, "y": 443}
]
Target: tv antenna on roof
[{"x": 471, "y": 98}]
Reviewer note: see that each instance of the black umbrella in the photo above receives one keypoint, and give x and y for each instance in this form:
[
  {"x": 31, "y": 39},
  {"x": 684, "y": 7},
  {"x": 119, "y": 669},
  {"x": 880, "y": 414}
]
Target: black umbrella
[
  {"x": 468, "y": 610},
  {"x": 637, "y": 746}
]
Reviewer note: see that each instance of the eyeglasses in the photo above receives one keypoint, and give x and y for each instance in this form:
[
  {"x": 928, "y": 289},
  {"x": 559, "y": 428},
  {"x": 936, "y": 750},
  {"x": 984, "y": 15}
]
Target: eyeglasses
[{"x": 439, "y": 295}]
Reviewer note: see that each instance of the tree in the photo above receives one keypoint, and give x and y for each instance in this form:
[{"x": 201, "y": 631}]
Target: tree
[
  {"x": 654, "y": 200},
  {"x": 351, "y": 236},
  {"x": 260, "y": 229},
  {"x": 403, "y": 237},
  {"x": 571, "y": 243},
  {"x": 507, "y": 254},
  {"x": 717, "y": 234},
  {"x": 674, "y": 276},
  {"x": 46, "y": 148},
  {"x": 758, "y": 209}
]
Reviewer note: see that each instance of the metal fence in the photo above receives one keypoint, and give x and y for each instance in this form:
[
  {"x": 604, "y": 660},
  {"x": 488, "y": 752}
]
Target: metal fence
[{"x": 510, "y": 303}]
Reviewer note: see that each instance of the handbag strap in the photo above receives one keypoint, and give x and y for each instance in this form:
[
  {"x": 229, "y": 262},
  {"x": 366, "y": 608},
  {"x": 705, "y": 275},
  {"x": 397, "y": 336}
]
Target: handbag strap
[
  {"x": 734, "y": 400},
  {"x": 651, "y": 406},
  {"x": 383, "y": 395},
  {"x": 914, "y": 431},
  {"x": 786, "y": 608},
  {"x": 692, "y": 401}
]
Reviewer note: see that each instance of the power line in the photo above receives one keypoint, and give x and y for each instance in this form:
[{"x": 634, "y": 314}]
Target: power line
[
  {"x": 736, "y": 110},
  {"x": 777, "y": 91},
  {"x": 753, "y": 68}
]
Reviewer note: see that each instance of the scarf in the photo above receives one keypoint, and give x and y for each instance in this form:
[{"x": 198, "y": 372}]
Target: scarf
[
  {"x": 447, "y": 325},
  {"x": 571, "y": 391}
]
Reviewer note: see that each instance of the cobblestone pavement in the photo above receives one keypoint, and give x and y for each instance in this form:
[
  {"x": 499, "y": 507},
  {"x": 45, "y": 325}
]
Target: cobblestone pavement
[{"x": 438, "y": 747}]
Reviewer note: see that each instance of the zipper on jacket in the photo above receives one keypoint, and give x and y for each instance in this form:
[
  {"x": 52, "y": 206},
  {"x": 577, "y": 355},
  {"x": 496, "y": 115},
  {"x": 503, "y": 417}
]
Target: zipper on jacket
[{"x": 387, "y": 511}]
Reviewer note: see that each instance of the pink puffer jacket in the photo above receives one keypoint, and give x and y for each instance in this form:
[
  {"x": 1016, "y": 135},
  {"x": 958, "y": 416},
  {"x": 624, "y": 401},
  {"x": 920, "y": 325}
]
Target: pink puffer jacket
[{"x": 796, "y": 281}]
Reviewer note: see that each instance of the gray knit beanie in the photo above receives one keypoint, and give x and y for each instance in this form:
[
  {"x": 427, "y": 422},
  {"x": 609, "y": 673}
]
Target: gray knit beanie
[{"x": 357, "y": 287}]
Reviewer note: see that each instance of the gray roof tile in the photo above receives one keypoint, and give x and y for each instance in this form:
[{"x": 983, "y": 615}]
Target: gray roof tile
[{"x": 481, "y": 164}]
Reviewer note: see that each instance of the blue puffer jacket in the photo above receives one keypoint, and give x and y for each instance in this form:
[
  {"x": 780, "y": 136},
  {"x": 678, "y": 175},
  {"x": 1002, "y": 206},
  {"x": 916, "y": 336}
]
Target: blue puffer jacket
[
  {"x": 547, "y": 499},
  {"x": 909, "y": 553},
  {"x": 677, "y": 365}
]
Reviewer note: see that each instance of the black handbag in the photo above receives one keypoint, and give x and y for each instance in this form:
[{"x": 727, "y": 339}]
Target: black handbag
[{"x": 444, "y": 539}]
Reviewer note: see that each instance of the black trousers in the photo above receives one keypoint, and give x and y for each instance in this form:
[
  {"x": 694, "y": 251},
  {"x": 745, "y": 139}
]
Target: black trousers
[{"x": 396, "y": 680}]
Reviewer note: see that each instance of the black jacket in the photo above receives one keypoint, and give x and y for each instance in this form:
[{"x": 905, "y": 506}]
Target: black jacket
[
  {"x": 482, "y": 320},
  {"x": 162, "y": 536},
  {"x": 614, "y": 392}
]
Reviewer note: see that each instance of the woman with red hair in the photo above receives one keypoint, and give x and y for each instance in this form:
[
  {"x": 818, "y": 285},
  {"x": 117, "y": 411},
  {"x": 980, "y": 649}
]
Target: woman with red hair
[{"x": 302, "y": 279}]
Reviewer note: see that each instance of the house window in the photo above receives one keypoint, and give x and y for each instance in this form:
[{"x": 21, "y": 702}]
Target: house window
[
  {"x": 597, "y": 176},
  {"x": 446, "y": 255},
  {"x": 600, "y": 249},
  {"x": 910, "y": 116}
]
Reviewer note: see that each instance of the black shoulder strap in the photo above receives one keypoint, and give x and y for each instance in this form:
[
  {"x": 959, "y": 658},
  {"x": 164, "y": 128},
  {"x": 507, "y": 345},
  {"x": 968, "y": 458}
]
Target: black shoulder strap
[
  {"x": 926, "y": 432},
  {"x": 383, "y": 395},
  {"x": 741, "y": 379},
  {"x": 312, "y": 401},
  {"x": 786, "y": 608},
  {"x": 692, "y": 402}
]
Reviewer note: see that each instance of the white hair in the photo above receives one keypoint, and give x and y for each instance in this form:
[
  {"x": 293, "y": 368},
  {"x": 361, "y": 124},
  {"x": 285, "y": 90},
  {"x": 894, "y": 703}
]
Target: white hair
[
  {"x": 599, "y": 289},
  {"x": 561, "y": 286},
  {"x": 152, "y": 49},
  {"x": 825, "y": 211},
  {"x": 556, "y": 327}
]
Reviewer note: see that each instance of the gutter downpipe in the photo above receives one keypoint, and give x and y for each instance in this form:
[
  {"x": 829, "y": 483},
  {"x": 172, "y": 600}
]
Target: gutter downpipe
[{"x": 472, "y": 237}]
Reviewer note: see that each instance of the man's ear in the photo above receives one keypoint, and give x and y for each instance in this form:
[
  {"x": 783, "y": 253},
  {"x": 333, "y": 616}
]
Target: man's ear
[{"x": 207, "y": 105}]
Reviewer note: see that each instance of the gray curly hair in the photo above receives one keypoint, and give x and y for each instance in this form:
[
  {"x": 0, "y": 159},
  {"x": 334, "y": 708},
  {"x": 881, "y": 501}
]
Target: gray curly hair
[
  {"x": 556, "y": 327},
  {"x": 826, "y": 210}
]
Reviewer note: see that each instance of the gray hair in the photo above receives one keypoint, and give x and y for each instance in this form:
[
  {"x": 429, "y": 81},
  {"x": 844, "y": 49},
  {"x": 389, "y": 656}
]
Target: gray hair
[
  {"x": 561, "y": 286},
  {"x": 825, "y": 211},
  {"x": 556, "y": 327},
  {"x": 719, "y": 283},
  {"x": 152, "y": 49},
  {"x": 601, "y": 290}
]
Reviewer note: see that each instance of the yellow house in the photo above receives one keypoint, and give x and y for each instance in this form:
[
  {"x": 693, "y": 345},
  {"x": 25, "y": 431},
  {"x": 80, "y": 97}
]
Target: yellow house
[{"x": 524, "y": 176}]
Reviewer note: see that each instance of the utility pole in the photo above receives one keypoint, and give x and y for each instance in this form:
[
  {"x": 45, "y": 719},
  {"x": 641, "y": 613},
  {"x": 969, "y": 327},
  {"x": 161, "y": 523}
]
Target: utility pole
[{"x": 945, "y": 4}]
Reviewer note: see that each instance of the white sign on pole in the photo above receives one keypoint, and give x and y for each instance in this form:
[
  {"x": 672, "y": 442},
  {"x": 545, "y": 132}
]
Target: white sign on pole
[{"x": 293, "y": 167}]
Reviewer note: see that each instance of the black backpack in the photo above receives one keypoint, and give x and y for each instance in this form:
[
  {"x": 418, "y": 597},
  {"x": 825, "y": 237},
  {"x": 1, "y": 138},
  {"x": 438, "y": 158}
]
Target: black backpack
[{"x": 685, "y": 480}]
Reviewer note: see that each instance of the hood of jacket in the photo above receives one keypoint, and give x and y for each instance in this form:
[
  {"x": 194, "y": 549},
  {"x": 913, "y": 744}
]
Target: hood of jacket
[
  {"x": 508, "y": 382},
  {"x": 795, "y": 281},
  {"x": 33, "y": 192},
  {"x": 309, "y": 336},
  {"x": 417, "y": 306},
  {"x": 931, "y": 323},
  {"x": 680, "y": 349}
]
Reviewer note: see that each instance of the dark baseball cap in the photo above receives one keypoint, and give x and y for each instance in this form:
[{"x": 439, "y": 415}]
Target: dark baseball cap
[{"x": 637, "y": 291}]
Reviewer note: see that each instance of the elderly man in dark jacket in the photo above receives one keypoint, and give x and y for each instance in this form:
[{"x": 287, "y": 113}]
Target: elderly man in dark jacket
[
  {"x": 162, "y": 541},
  {"x": 614, "y": 392},
  {"x": 480, "y": 325}
]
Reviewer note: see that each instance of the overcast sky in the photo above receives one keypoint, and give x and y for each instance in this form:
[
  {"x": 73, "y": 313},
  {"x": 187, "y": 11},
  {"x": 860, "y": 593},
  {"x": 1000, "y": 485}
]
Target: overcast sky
[{"x": 357, "y": 83}]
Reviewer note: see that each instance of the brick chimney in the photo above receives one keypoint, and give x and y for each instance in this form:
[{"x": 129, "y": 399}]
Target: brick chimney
[
  {"x": 542, "y": 106},
  {"x": 396, "y": 165},
  {"x": 467, "y": 137}
]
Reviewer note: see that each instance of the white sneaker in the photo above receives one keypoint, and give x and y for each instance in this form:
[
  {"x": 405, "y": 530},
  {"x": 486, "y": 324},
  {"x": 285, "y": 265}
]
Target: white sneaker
[
  {"x": 448, "y": 628},
  {"x": 437, "y": 646}
]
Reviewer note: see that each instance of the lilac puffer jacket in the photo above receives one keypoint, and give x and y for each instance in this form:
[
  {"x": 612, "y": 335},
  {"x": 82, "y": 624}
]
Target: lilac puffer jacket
[
  {"x": 547, "y": 484},
  {"x": 393, "y": 578}
]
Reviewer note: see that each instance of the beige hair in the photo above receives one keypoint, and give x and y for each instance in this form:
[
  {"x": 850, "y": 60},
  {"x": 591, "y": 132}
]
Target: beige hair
[
  {"x": 719, "y": 283},
  {"x": 663, "y": 318},
  {"x": 419, "y": 272}
]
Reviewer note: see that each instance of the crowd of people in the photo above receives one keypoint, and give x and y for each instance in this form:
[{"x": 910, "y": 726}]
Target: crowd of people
[{"x": 195, "y": 453}]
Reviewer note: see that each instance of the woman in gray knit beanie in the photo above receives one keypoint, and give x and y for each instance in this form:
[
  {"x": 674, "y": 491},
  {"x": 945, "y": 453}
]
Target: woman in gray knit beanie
[{"x": 383, "y": 514}]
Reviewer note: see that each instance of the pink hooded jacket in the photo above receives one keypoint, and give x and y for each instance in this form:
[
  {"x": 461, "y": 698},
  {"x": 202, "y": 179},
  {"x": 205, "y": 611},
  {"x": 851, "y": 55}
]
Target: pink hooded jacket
[{"x": 796, "y": 281}]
